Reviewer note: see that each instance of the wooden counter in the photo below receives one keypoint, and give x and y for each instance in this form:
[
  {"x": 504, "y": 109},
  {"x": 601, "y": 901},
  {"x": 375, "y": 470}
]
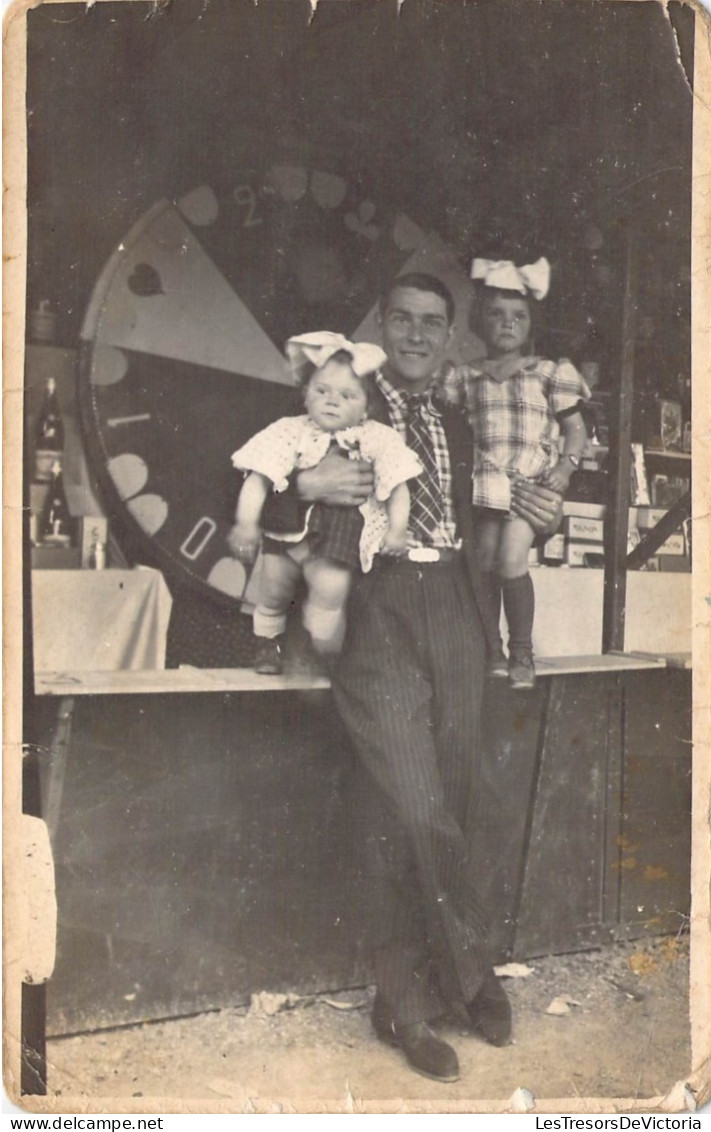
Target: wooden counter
[
  {"x": 208, "y": 843},
  {"x": 188, "y": 680}
]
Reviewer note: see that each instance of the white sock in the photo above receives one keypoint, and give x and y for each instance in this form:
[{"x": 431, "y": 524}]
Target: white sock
[
  {"x": 325, "y": 627},
  {"x": 268, "y": 623}
]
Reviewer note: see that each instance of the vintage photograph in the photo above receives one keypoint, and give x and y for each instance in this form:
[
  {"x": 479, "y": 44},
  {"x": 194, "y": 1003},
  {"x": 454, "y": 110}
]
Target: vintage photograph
[{"x": 355, "y": 413}]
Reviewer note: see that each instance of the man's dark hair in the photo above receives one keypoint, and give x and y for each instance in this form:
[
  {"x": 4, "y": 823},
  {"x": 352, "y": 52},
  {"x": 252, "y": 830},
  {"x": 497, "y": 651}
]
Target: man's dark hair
[{"x": 420, "y": 281}]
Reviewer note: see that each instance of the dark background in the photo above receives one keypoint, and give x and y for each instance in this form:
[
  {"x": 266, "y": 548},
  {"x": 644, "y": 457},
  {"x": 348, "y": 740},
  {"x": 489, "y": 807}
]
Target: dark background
[{"x": 508, "y": 126}]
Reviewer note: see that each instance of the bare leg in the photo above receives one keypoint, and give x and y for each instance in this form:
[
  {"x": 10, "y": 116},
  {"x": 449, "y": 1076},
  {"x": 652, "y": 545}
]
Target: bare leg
[
  {"x": 324, "y": 609},
  {"x": 516, "y": 539},
  {"x": 278, "y": 582}
]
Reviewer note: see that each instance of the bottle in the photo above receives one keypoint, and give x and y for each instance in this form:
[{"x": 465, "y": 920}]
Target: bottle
[
  {"x": 43, "y": 322},
  {"x": 49, "y": 434},
  {"x": 55, "y": 528},
  {"x": 98, "y": 555}
]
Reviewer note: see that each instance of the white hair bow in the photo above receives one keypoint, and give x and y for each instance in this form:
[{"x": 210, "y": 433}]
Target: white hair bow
[
  {"x": 533, "y": 279},
  {"x": 320, "y": 346}
]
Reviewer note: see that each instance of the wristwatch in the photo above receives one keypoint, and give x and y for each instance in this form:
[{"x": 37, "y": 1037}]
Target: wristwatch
[{"x": 575, "y": 460}]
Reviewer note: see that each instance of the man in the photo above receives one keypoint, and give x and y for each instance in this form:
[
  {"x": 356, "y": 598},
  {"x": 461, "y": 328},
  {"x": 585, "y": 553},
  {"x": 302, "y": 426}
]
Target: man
[{"x": 408, "y": 687}]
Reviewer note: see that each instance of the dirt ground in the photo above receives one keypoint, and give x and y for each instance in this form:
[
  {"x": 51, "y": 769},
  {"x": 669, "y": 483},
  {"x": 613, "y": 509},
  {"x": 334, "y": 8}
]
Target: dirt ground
[{"x": 625, "y": 1034}]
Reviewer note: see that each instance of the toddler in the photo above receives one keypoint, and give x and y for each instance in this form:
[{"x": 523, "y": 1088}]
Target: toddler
[
  {"x": 518, "y": 405},
  {"x": 334, "y": 540}
]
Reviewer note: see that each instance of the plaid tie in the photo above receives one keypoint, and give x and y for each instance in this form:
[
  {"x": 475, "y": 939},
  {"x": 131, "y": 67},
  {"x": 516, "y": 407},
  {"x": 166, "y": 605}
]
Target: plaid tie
[{"x": 426, "y": 508}]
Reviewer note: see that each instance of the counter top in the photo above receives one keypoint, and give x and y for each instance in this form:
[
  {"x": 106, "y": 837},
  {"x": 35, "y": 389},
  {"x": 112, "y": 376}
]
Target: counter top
[{"x": 191, "y": 680}]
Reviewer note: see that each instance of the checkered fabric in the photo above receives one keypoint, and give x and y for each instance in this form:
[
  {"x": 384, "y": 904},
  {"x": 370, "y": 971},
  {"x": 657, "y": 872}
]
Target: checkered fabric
[
  {"x": 515, "y": 424},
  {"x": 335, "y": 533},
  {"x": 432, "y": 521}
]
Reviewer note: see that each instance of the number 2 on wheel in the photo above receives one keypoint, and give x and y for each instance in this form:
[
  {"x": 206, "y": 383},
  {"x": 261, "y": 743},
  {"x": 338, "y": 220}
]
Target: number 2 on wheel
[{"x": 246, "y": 197}]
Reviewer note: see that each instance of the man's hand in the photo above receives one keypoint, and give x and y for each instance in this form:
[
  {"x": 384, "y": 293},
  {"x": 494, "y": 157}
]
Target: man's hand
[
  {"x": 336, "y": 481},
  {"x": 540, "y": 506}
]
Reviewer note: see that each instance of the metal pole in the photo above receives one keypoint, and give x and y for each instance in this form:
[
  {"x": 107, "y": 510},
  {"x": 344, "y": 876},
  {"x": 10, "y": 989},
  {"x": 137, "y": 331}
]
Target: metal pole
[{"x": 619, "y": 466}]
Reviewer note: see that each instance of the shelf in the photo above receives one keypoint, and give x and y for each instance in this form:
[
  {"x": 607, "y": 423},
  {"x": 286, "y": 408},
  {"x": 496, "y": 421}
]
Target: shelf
[
  {"x": 667, "y": 455},
  {"x": 664, "y": 454}
]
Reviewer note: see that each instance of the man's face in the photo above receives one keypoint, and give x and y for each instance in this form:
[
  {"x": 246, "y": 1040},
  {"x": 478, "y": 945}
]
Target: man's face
[{"x": 416, "y": 336}]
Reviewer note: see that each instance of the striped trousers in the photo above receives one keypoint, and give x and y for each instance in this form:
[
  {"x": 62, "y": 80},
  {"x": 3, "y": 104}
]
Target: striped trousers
[{"x": 408, "y": 688}]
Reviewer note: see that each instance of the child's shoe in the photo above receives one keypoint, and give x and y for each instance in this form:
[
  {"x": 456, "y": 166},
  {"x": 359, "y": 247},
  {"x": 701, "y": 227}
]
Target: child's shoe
[
  {"x": 269, "y": 660},
  {"x": 522, "y": 672},
  {"x": 497, "y": 665},
  {"x": 304, "y": 660}
]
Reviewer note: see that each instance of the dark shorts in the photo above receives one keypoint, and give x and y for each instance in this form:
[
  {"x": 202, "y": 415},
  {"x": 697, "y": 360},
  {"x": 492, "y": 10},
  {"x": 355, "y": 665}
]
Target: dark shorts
[{"x": 333, "y": 532}]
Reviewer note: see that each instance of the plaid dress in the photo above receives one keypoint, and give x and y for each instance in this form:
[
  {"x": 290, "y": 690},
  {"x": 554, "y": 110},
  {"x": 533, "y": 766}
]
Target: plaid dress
[{"x": 515, "y": 422}]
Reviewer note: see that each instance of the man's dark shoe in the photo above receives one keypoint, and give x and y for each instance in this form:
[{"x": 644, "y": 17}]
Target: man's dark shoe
[
  {"x": 490, "y": 1012},
  {"x": 425, "y": 1052},
  {"x": 381, "y": 1018},
  {"x": 497, "y": 665},
  {"x": 268, "y": 659}
]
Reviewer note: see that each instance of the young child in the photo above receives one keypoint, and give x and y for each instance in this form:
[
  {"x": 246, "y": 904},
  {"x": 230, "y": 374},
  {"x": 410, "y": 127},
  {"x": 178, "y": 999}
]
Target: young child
[
  {"x": 334, "y": 540},
  {"x": 518, "y": 405}
]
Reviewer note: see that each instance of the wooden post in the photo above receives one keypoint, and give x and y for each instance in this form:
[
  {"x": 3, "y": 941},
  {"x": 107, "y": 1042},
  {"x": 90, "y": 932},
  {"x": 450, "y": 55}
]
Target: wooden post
[
  {"x": 618, "y": 499},
  {"x": 33, "y": 1053}
]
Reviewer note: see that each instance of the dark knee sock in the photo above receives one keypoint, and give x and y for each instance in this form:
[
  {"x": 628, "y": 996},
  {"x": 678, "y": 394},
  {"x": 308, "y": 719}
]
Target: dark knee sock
[
  {"x": 492, "y": 583},
  {"x": 519, "y": 608}
]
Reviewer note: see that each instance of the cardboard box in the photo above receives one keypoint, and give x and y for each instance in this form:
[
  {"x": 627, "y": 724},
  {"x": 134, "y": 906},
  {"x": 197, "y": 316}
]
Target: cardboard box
[
  {"x": 554, "y": 548},
  {"x": 585, "y": 510},
  {"x": 670, "y": 425},
  {"x": 667, "y": 489},
  {"x": 577, "y": 528},
  {"x": 597, "y": 511},
  {"x": 55, "y": 558},
  {"x": 576, "y": 552},
  {"x": 639, "y": 485},
  {"x": 648, "y": 517},
  {"x": 673, "y": 564},
  {"x": 675, "y": 544}
]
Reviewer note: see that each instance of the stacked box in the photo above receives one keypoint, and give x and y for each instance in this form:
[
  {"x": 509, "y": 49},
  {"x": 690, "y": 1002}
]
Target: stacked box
[
  {"x": 583, "y": 553},
  {"x": 579, "y": 528},
  {"x": 583, "y": 529},
  {"x": 583, "y": 534},
  {"x": 675, "y": 544},
  {"x": 554, "y": 549},
  {"x": 648, "y": 517}
]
